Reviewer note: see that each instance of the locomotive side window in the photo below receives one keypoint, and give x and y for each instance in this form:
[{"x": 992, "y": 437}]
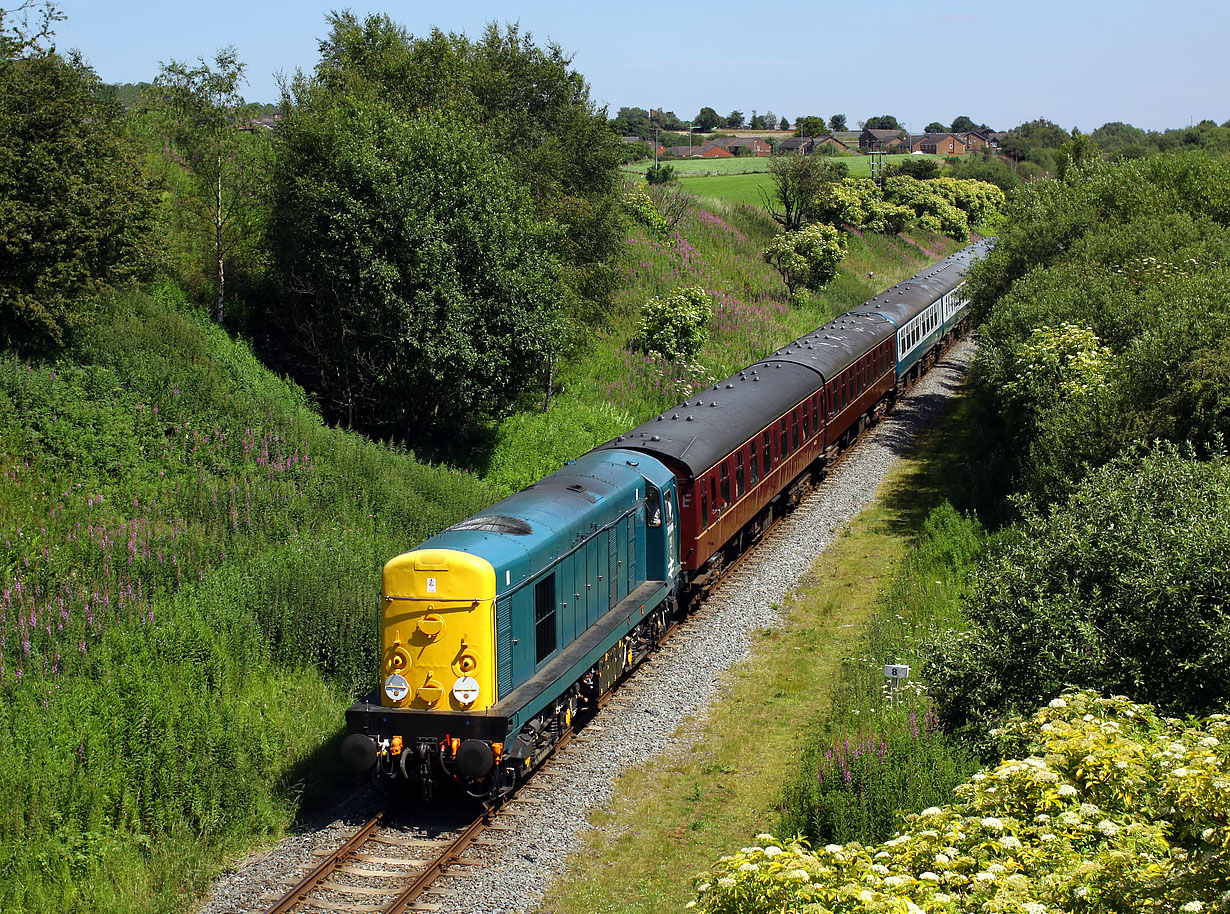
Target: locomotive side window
[
  {"x": 755, "y": 463},
  {"x": 653, "y": 506},
  {"x": 544, "y": 617}
]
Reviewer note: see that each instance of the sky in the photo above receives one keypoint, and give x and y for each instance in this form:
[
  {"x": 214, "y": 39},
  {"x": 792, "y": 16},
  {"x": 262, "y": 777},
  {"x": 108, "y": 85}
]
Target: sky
[{"x": 1079, "y": 63}]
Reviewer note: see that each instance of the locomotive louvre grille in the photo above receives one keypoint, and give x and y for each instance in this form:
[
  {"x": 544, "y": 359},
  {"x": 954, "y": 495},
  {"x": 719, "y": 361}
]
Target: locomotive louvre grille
[{"x": 495, "y": 523}]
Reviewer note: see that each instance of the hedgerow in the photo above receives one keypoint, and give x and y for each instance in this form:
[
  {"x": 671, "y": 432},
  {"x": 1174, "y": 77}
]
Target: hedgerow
[{"x": 1105, "y": 807}]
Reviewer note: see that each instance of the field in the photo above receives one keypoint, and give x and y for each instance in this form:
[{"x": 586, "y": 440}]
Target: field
[{"x": 745, "y": 179}]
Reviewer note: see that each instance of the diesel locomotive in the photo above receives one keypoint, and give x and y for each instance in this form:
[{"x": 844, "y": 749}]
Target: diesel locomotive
[{"x": 497, "y": 632}]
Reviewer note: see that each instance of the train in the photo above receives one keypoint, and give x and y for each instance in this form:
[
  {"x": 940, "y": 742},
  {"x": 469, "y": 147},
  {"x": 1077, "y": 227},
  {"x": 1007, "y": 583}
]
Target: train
[{"x": 498, "y": 632}]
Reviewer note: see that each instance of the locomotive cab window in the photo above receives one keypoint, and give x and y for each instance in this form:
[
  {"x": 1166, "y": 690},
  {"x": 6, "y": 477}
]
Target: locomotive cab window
[
  {"x": 544, "y": 617},
  {"x": 653, "y": 506}
]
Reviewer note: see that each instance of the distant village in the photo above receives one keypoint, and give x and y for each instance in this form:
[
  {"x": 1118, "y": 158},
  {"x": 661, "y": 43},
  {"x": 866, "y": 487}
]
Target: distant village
[{"x": 784, "y": 142}]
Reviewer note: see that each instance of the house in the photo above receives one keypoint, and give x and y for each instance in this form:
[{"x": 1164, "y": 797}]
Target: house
[
  {"x": 754, "y": 145},
  {"x": 796, "y": 145},
  {"x": 939, "y": 144},
  {"x": 834, "y": 142},
  {"x": 886, "y": 140},
  {"x": 711, "y": 151}
]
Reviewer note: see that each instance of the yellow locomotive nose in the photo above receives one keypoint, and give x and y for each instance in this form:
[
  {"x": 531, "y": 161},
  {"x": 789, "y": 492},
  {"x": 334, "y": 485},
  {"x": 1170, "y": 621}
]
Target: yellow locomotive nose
[{"x": 443, "y": 603}]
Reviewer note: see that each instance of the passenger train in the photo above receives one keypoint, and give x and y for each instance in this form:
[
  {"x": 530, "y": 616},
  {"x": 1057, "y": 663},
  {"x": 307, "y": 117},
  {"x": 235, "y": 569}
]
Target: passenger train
[{"x": 498, "y": 631}]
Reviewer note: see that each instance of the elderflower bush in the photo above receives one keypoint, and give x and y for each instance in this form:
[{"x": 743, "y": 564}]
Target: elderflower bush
[
  {"x": 808, "y": 257},
  {"x": 1109, "y": 808},
  {"x": 642, "y": 208},
  {"x": 1059, "y": 362},
  {"x": 676, "y": 325}
]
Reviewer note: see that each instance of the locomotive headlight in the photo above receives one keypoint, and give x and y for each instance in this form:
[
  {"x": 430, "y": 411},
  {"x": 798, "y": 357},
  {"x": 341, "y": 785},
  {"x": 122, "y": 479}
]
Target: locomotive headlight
[
  {"x": 396, "y": 687},
  {"x": 465, "y": 690}
]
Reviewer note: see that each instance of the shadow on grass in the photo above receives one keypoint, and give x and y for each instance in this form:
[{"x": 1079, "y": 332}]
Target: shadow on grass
[{"x": 950, "y": 458}]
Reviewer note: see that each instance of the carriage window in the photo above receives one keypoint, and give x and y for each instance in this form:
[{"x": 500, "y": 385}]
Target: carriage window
[
  {"x": 815, "y": 413},
  {"x": 704, "y": 506},
  {"x": 806, "y": 422},
  {"x": 725, "y": 486},
  {"x": 785, "y": 441},
  {"x": 653, "y": 506},
  {"x": 713, "y": 499},
  {"x": 544, "y": 617},
  {"x": 794, "y": 432},
  {"x": 740, "y": 476},
  {"x": 755, "y": 464},
  {"x": 768, "y": 451}
]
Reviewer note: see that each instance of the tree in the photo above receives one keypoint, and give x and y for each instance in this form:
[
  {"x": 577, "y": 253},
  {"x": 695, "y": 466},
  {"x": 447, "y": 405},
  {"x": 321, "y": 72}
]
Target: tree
[
  {"x": 883, "y": 122},
  {"x": 808, "y": 257},
  {"x": 75, "y": 208},
  {"x": 707, "y": 120},
  {"x": 756, "y": 122},
  {"x": 935, "y": 127},
  {"x": 783, "y": 124},
  {"x": 963, "y": 124},
  {"x": 435, "y": 201},
  {"x": 770, "y": 120},
  {"x": 837, "y": 122},
  {"x": 809, "y": 126},
  {"x": 796, "y": 181},
  {"x": 734, "y": 120},
  {"x": 200, "y": 109}
]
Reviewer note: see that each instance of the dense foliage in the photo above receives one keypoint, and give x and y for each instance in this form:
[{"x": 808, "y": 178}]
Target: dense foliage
[
  {"x": 440, "y": 205},
  {"x": 1136, "y": 254},
  {"x": 675, "y": 326},
  {"x": 1101, "y": 807},
  {"x": 1120, "y": 587},
  {"x": 945, "y": 204},
  {"x": 75, "y": 206}
]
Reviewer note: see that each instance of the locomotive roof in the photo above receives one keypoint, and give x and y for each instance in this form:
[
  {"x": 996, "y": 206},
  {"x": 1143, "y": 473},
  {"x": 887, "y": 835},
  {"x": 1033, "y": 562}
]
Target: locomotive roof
[{"x": 530, "y": 528}]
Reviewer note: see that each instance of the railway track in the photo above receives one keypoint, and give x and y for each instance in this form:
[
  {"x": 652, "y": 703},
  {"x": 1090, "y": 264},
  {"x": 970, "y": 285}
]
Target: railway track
[{"x": 381, "y": 869}]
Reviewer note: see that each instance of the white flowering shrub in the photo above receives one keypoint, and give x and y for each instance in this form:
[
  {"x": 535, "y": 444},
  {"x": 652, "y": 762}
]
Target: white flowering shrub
[
  {"x": 676, "y": 325},
  {"x": 1109, "y": 809},
  {"x": 1058, "y": 363},
  {"x": 808, "y": 257}
]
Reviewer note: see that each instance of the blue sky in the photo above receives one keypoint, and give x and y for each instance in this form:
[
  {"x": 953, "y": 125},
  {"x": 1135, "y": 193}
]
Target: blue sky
[{"x": 1078, "y": 63}]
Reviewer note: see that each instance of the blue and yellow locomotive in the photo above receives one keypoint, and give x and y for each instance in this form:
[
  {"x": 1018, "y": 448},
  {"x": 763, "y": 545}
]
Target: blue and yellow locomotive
[{"x": 499, "y": 629}]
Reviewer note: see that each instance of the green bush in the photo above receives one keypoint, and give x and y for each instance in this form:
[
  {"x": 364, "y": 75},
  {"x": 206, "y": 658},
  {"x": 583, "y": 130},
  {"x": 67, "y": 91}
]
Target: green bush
[
  {"x": 808, "y": 258},
  {"x": 1118, "y": 587}
]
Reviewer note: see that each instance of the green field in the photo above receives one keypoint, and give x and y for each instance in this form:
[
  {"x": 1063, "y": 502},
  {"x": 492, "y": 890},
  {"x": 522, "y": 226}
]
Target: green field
[
  {"x": 742, "y": 179},
  {"x": 858, "y": 165}
]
